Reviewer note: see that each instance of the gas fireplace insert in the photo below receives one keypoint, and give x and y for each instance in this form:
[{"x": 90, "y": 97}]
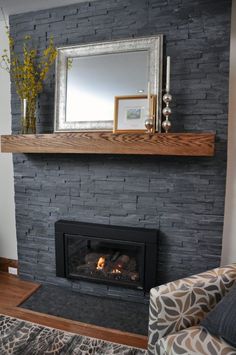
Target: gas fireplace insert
[{"x": 115, "y": 255}]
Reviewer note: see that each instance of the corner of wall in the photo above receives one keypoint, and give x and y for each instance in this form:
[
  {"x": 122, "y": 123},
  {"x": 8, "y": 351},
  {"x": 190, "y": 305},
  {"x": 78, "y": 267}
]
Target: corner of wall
[{"x": 8, "y": 246}]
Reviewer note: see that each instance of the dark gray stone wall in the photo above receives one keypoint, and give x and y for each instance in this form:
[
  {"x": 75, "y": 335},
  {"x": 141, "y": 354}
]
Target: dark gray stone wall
[{"x": 183, "y": 197}]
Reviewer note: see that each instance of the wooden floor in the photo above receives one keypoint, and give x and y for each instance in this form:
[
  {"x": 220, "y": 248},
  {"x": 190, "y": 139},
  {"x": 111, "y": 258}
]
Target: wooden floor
[{"x": 13, "y": 292}]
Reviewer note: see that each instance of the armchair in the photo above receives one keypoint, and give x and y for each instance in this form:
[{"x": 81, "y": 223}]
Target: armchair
[{"x": 176, "y": 308}]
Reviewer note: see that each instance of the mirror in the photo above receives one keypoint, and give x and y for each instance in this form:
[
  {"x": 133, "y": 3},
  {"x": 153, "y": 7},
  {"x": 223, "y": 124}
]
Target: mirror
[{"x": 89, "y": 77}]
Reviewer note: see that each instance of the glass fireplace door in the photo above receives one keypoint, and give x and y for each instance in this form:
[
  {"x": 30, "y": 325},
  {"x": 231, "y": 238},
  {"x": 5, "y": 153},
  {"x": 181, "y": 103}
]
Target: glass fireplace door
[{"x": 105, "y": 260}]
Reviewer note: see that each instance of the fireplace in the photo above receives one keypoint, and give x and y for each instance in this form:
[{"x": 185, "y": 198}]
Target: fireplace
[{"x": 107, "y": 254}]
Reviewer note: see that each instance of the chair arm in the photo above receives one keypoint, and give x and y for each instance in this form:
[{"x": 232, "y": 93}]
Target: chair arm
[{"x": 183, "y": 303}]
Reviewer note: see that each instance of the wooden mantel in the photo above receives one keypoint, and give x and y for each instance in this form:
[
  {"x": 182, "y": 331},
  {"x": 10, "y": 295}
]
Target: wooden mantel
[{"x": 178, "y": 144}]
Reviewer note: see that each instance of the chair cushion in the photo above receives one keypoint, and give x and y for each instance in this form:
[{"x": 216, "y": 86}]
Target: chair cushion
[
  {"x": 220, "y": 321},
  {"x": 193, "y": 341}
]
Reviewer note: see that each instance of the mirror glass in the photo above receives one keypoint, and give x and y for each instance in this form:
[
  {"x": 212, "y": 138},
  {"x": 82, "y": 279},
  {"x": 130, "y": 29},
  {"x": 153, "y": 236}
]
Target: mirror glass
[
  {"x": 94, "y": 81},
  {"x": 89, "y": 77}
]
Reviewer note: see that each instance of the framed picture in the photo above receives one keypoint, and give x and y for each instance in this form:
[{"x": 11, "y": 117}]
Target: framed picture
[{"x": 131, "y": 113}]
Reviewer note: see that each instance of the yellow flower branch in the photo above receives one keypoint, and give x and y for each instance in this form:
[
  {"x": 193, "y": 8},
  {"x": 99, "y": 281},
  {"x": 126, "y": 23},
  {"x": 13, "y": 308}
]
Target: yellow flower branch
[{"x": 28, "y": 72}]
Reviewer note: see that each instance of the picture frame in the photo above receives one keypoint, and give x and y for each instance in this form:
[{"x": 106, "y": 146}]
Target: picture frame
[{"x": 131, "y": 113}]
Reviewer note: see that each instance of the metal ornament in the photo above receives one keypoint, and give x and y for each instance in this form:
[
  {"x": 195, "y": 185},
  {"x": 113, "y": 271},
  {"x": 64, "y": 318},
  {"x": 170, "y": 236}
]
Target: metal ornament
[
  {"x": 166, "y": 125},
  {"x": 150, "y": 120},
  {"x": 149, "y": 124}
]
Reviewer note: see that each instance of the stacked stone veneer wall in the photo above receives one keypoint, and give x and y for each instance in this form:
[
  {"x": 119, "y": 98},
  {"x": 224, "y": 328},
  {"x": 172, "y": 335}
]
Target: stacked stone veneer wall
[{"x": 183, "y": 197}]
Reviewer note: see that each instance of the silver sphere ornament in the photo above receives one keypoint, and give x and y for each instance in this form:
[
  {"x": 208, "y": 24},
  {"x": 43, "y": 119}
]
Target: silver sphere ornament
[
  {"x": 167, "y": 98},
  {"x": 166, "y": 125},
  {"x": 149, "y": 124},
  {"x": 166, "y": 111}
]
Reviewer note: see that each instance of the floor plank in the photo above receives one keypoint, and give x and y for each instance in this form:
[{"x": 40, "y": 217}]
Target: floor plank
[{"x": 14, "y": 291}]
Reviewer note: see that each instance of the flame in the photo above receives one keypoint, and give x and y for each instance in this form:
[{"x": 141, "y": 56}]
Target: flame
[
  {"x": 101, "y": 263},
  {"x": 116, "y": 271}
]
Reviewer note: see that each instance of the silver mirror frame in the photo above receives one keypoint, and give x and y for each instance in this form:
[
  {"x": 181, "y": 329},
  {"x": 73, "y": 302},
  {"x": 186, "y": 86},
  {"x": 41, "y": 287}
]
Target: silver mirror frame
[{"x": 154, "y": 46}]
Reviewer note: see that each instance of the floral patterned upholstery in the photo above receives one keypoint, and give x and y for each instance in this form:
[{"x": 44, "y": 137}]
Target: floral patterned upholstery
[
  {"x": 183, "y": 304},
  {"x": 192, "y": 341}
]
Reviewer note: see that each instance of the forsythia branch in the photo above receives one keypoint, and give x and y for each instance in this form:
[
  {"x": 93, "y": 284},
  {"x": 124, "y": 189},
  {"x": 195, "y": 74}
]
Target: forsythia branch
[{"x": 27, "y": 72}]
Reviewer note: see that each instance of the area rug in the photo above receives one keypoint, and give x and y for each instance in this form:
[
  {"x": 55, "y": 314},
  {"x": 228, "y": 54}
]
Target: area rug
[{"x": 25, "y": 338}]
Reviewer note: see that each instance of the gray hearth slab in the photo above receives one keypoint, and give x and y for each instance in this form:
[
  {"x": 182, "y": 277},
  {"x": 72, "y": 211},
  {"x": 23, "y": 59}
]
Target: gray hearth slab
[{"x": 106, "y": 312}]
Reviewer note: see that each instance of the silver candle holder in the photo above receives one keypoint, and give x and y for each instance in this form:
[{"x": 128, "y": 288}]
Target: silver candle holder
[
  {"x": 166, "y": 125},
  {"x": 149, "y": 124},
  {"x": 167, "y": 98},
  {"x": 150, "y": 120}
]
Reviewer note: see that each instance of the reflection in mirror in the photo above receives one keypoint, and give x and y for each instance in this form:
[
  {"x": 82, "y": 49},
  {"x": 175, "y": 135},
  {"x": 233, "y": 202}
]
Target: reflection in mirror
[
  {"x": 89, "y": 77},
  {"x": 94, "y": 81}
]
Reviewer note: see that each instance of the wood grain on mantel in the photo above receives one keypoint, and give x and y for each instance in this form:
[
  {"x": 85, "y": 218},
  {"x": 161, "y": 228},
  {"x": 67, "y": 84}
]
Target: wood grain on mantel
[{"x": 178, "y": 144}]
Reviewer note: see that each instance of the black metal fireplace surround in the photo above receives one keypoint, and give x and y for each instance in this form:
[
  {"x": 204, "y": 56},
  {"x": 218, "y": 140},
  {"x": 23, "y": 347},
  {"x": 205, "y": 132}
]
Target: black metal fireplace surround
[{"x": 123, "y": 256}]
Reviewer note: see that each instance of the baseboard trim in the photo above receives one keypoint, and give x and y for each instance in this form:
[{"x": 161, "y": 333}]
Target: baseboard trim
[{"x": 5, "y": 263}]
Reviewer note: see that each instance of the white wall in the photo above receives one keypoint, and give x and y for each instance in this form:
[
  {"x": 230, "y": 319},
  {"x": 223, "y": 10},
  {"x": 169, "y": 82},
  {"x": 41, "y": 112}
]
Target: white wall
[
  {"x": 8, "y": 247},
  {"x": 229, "y": 235}
]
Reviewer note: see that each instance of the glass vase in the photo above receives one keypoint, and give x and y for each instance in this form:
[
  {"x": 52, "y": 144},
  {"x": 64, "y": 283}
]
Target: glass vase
[{"x": 28, "y": 115}]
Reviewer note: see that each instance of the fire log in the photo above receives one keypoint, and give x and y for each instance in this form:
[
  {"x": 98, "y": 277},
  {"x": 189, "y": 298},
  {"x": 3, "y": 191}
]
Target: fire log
[{"x": 121, "y": 262}]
